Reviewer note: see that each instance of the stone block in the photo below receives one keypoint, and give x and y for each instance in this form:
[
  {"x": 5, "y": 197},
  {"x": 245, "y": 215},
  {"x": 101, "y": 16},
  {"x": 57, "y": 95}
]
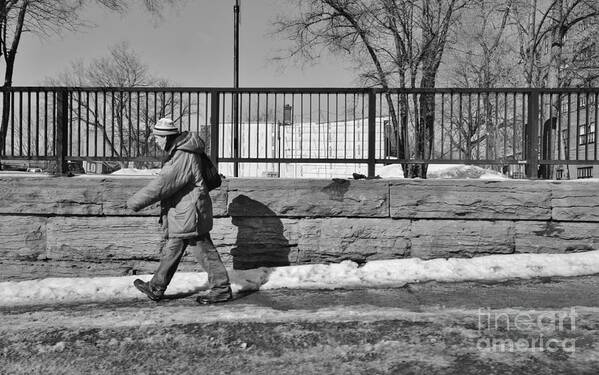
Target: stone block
[
  {"x": 356, "y": 239},
  {"x": 556, "y": 237},
  {"x": 465, "y": 199},
  {"x": 102, "y": 238},
  {"x": 461, "y": 238},
  {"x": 22, "y": 237},
  {"x": 50, "y": 195},
  {"x": 116, "y": 238},
  {"x": 575, "y": 201},
  {"x": 306, "y": 197}
]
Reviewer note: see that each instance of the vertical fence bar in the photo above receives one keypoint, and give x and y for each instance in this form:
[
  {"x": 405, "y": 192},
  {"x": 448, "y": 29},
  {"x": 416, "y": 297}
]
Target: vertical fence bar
[
  {"x": 266, "y": 133},
  {"x": 513, "y": 125},
  {"x": 318, "y": 147},
  {"x": 29, "y": 124},
  {"x": 578, "y": 134},
  {"x": 451, "y": 135},
  {"x": 221, "y": 109},
  {"x": 301, "y": 129},
  {"x": 354, "y": 153},
  {"x": 595, "y": 126},
  {"x": 310, "y": 129},
  {"x": 587, "y": 125},
  {"x": 20, "y": 120},
  {"x": 532, "y": 136},
  {"x": 292, "y": 121},
  {"x": 5, "y": 140},
  {"x": 96, "y": 123},
  {"x": 441, "y": 156},
  {"x": 87, "y": 123},
  {"x": 138, "y": 131},
  {"x": 235, "y": 137},
  {"x": 258, "y": 125},
  {"x": 371, "y": 132},
  {"x": 71, "y": 128},
  {"x": 559, "y": 126},
  {"x": 78, "y": 123},
  {"x": 189, "y": 100},
  {"x": 130, "y": 128},
  {"x": 214, "y": 128},
  {"x": 249, "y": 126},
  {"x": 62, "y": 131},
  {"x": 37, "y": 124},
  {"x": 46, "y": 123},
  {"x": 505, "y": 102}
]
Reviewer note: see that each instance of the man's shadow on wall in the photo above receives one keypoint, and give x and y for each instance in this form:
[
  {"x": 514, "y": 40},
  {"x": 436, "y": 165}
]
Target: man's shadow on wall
[
  {"x": 260, "y": 243},
  {"x": 260, "y": 240}
]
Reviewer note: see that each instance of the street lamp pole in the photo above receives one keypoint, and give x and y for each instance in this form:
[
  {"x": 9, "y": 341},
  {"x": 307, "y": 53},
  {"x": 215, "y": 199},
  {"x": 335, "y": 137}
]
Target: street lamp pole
[
  {"x": 235, "y": 114},
  {"x": 236, "y": 45}
]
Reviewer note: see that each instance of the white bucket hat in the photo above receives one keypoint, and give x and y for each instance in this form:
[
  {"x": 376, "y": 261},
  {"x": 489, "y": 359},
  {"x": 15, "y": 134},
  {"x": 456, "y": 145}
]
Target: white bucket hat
[{"x": 164, "y": 127}]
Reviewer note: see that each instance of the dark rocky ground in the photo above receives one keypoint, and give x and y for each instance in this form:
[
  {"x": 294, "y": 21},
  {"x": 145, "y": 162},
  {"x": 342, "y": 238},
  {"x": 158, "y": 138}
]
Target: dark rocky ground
[{"x": 462, "y": 328}]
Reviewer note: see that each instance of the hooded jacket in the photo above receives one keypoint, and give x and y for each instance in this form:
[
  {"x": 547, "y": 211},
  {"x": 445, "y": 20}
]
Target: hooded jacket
[{"x": 186, "y": 207}]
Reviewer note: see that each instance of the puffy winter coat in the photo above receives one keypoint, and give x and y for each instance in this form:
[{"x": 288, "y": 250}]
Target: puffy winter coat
[{"x": 186, "y": 208}]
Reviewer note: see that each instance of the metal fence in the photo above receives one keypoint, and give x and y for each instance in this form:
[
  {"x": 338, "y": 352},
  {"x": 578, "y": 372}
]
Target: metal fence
[{"x": 255, "y": 131}]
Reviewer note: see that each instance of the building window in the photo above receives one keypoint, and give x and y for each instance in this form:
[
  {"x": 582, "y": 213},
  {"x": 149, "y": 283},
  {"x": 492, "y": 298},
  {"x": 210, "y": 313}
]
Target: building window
[
  {"x": 559, "y": 174},
  {"x": 582, "y": 136},
  {"x": 565, "y": 105},
  {"x": 586, "y": 99},
  {"x": 582, "y": 100},
  {"x": 584, "y": 172},
  {"x": 586, "y": 133},
  {"x": 591, "y": 133}
]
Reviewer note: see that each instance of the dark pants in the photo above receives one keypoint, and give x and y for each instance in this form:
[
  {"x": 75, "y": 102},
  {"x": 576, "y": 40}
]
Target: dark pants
[{"x": 204, "y": 251}]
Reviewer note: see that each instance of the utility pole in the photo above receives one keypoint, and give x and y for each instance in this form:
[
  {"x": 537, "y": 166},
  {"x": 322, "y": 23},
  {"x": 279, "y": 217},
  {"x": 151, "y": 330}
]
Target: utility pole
[{"x": 236, "y": 86}]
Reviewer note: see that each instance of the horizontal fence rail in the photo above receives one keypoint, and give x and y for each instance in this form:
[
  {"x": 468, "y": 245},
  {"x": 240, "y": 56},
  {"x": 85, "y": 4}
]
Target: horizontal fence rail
[{"x": 257, "y": 131}]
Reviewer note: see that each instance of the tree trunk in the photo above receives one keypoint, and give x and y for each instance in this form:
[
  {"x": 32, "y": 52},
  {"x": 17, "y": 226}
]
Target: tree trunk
[
  {"x": 9, "y": 58},
  {"x": 553, "y": 81},
  {"x": 10, "y": 62},
  {"x": 425, "y": 126}
]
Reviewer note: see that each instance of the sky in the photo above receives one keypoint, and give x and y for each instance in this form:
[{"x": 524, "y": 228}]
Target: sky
[{"x": 191, "y": 45}]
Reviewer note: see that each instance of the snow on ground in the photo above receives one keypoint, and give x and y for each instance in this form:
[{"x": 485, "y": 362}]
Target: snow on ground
[
  {"x": 136, "y": 172},
  {"x": 445, "y": 171},
  {"x": 347, "y": 274}
]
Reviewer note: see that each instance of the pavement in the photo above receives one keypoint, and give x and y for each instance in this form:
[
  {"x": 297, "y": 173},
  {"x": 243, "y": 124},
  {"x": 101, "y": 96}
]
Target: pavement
[{"x": 548, "y": 325}]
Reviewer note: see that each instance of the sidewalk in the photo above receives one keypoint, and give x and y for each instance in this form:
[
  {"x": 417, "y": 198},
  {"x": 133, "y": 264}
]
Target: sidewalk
[{"x": 442, "y": 328}]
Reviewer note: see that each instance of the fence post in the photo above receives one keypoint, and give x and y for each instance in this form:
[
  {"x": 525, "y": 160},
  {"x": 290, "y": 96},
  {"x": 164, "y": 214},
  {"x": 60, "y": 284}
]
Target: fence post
[
  {"x": 532, "y": 136},
  {"x": 371, "y": 132},
  {"x": 61, "y": 140},
  {"x": 235, "y": 132},
  {"x": 214, "y": 128}
]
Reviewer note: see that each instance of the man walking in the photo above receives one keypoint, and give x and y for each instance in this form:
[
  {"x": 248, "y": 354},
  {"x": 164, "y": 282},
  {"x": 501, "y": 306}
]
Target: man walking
[{"x": 185, "y": 214}]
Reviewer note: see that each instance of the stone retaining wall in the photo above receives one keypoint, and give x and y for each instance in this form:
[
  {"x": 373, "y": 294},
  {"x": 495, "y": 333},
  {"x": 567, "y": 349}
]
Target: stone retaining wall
[{"x": 80, "y": 225}]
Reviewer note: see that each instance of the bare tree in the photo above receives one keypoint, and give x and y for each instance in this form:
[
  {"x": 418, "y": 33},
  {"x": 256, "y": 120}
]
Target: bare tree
[
  {"x": 121, "y": 117},
  {"x": 544, "y": 28},
  {"x": 480, "y": 57},
  {"x": 550, "y": 42},
  {"x": 393, "y": 42},
  {"x": 45, "y": 17}
]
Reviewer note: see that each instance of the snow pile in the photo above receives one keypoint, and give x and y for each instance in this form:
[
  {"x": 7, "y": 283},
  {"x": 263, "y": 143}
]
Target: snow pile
[
  {"x": 137, "y": 172},
  {"x": 444, "y": 171},
  {"x": 347, "y": 274}
]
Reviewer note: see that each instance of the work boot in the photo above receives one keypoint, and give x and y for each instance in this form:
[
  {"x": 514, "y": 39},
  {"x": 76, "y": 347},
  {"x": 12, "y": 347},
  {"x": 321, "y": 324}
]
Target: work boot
[
  {"x": 215, "y": 297},
  {"x": 145, "y": 288}
]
